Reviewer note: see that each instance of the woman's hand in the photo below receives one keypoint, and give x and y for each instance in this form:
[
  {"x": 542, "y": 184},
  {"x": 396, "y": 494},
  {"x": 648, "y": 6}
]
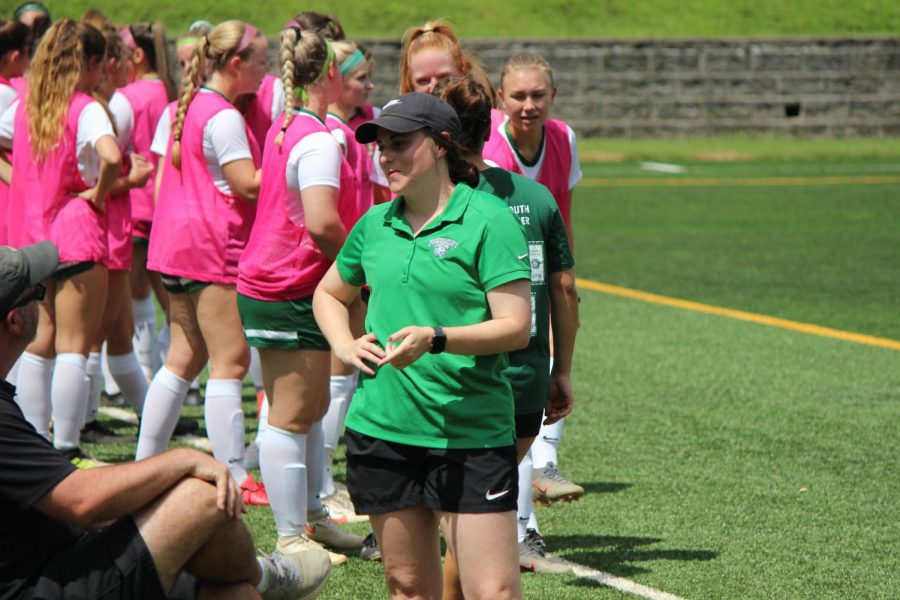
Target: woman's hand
[
  {"x": 561, "y": 399},
  {"x": 414, "y": 342},
  {"x": 140, "y": 171},
  {"x": 90, "y": 195},
  {"x": 363, "y": 350}
]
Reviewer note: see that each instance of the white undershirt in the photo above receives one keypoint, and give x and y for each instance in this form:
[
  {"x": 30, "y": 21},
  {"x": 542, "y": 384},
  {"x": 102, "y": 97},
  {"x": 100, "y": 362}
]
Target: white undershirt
[
  {"x": 93, "y": 124},
  {"x": 160, "y": 144},
  {"x": 314, "y": 160},
  {"x": 277, "y": 99},
  {"x": 224, "y": 141},
  {"x": 123, "y": 114},
  {"x": 531, "y": 172},
  {"x": 7, "y": 95}
]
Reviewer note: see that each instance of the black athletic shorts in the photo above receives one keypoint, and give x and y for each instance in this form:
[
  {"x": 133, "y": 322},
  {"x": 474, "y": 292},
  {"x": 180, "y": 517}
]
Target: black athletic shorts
[
  {"x": 386, "y": 476},
  {"x": 112, "y": 564},
  {"x": 529, "y": 425}
]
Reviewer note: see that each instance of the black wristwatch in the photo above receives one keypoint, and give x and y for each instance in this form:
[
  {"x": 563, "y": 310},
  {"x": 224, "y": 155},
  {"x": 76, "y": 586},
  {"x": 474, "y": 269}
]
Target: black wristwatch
[{"x": 438, "y": 340}]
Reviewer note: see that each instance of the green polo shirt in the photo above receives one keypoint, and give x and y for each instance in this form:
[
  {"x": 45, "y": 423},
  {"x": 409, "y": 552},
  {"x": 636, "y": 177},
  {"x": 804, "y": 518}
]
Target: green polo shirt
[
  {"x": 548, "y": 250},
  {"x": 439, "y": 277}
]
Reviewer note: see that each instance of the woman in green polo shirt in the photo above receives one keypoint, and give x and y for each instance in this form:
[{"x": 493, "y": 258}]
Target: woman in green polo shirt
[{"x": 430, "y": 432}]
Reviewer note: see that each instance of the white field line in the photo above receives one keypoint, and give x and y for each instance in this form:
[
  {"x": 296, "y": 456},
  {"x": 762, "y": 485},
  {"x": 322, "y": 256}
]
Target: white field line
[
  {"x": 128, "y": 416},
  {"x": 120, "y": 414},
  {"x": 621, "y": 584},
  {"x": 663, "y": 167}
]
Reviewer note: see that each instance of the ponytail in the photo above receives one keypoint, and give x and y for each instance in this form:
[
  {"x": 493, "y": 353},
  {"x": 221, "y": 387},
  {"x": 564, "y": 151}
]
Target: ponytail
[
  {"x": 192, "y": 80},
  {"x": 460, "y": 170},
  {"x": 222, "y": 43},
  {"x": 304, "y": 57},
  {"x": 286, "y": 60}
]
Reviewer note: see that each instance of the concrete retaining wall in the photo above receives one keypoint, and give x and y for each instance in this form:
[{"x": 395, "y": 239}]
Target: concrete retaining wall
[{"x": 834, "y": 87}]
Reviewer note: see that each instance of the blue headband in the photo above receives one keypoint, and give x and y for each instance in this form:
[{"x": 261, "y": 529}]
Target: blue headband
[{"x": 352, "y": 61}]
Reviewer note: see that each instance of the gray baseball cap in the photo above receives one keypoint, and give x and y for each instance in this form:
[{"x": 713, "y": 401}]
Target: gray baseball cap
[
  {"x": 411, "y": 112},
  {"x": 23, "y": 268}
]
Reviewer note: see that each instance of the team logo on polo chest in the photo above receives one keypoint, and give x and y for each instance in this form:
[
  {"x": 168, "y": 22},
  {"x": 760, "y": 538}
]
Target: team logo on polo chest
[{"x": 441, "y": 246}]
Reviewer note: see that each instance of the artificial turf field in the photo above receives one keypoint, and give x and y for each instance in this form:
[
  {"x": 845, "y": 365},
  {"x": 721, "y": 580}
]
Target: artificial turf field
[{"x": 724, "y": 459}]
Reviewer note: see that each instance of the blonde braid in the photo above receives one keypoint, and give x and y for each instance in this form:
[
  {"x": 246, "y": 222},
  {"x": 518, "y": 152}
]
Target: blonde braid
[
  {"x": 192, "y": 80},
  {"x": 55, "y": 71},
  {"x": 286, "y": 58}
]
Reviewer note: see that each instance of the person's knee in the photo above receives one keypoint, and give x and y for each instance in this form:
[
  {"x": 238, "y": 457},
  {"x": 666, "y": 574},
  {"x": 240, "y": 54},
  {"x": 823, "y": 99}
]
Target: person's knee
[
  {"x": 197, "y": 499},
  {"x": 406, "y": 584},
  {"x": 493, "y": 588}
]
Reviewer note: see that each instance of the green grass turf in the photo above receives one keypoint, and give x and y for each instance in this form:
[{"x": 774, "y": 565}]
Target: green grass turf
[
  {"x": 533, "y": 18},
  {"x": 722, "y": 459},
  {"x": 744, "y": 148},
  {"x": 824, "y": 254}
]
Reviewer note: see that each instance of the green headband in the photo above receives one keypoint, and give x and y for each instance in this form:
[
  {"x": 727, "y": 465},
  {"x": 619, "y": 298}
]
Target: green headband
[
  {"x": 188, "y": 41},
  {"x": 352, "y": 61},
  {"x": 31, "y": 6},
  {"x": 300, "y": 91}
]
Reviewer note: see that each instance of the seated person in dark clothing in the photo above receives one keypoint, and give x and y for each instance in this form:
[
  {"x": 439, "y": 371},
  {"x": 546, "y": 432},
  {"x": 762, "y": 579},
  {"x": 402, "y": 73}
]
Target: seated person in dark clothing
[{"x": 166, "y": 525}]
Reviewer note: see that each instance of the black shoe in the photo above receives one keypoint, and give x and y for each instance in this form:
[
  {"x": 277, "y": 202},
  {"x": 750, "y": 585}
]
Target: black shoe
[
  {"x": 185, "y": 426},
  {"x": 96, "y": 432}
]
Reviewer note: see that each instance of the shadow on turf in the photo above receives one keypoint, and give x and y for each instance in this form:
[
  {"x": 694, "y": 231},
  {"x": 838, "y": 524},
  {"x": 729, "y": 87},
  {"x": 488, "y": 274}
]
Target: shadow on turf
[
  {"x": 604, "y": 487},
  {"x": 616, "y": 554}
]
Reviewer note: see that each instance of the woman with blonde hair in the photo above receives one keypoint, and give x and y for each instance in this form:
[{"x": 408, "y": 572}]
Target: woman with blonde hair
[
  {"x": 306, "y": 206},
  {"x": 65, "y": 153},
  {"x": 207, "y": 203},
  {"x": 528, "y": 142}
]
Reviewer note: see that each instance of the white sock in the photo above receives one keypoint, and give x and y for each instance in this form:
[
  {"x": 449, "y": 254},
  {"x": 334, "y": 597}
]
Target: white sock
[
  {"x": 33, "y": 395},
  {"x": 69, "y": 397},
  {"x": 195, "y": 384},
  {"x": 315, "y": 446},
  {"x": 282, "y": 462},
  {"x": 109, "y": 383},
  {"x": 129, "y": 377},
  {"x": 544, "y": 448},
  {"x": 145, "y": 332},
  {"x": 342, "y": 387},
  {"x": 225, "y": 424},
  {"x": 161, "y": 347},
  {"x": 95, "y": 384},
  {"x": 532, "y": 522},
  {"x": 525, "y": 508},
  {"x": 255, "y": 369},
  {"x": 162, "y": 406},
  {"x": 12, "y": 376}
]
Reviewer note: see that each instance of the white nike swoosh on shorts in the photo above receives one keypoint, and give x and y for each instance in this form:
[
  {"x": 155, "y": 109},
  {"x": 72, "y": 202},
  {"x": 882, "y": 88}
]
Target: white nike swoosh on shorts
[
  {"x": 490, "y": 496},
  {"x": 521, "y": 257}
]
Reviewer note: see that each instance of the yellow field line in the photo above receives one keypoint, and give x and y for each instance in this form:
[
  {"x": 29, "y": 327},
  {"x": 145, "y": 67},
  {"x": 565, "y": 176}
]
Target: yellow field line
[
  {"x": 739, "y": 314},
  {"x": 741, "y": 181}
]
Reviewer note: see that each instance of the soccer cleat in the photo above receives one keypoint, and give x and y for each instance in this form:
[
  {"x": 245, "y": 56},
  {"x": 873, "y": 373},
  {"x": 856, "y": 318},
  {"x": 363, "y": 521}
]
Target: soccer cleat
[
  {"x": 96, "y": 432},
  {"x": 549, "y": 486},
  {"x": 300, "y": 575},
  {"x": 340, "y": 509},
  {"x": 81, "y": 460},
  {"x": 319, "y": 528},
  {"x": 533, "y": 556},
  {"x": 298, "y": 543},
  {"x": 370, "y": 549},
  {"x": 253, "y": 492}
]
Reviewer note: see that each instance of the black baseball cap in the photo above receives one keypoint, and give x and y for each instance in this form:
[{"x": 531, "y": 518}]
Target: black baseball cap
[
  {"x": 23, "y": 268},
  {"x": 411, "y": 112}
]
